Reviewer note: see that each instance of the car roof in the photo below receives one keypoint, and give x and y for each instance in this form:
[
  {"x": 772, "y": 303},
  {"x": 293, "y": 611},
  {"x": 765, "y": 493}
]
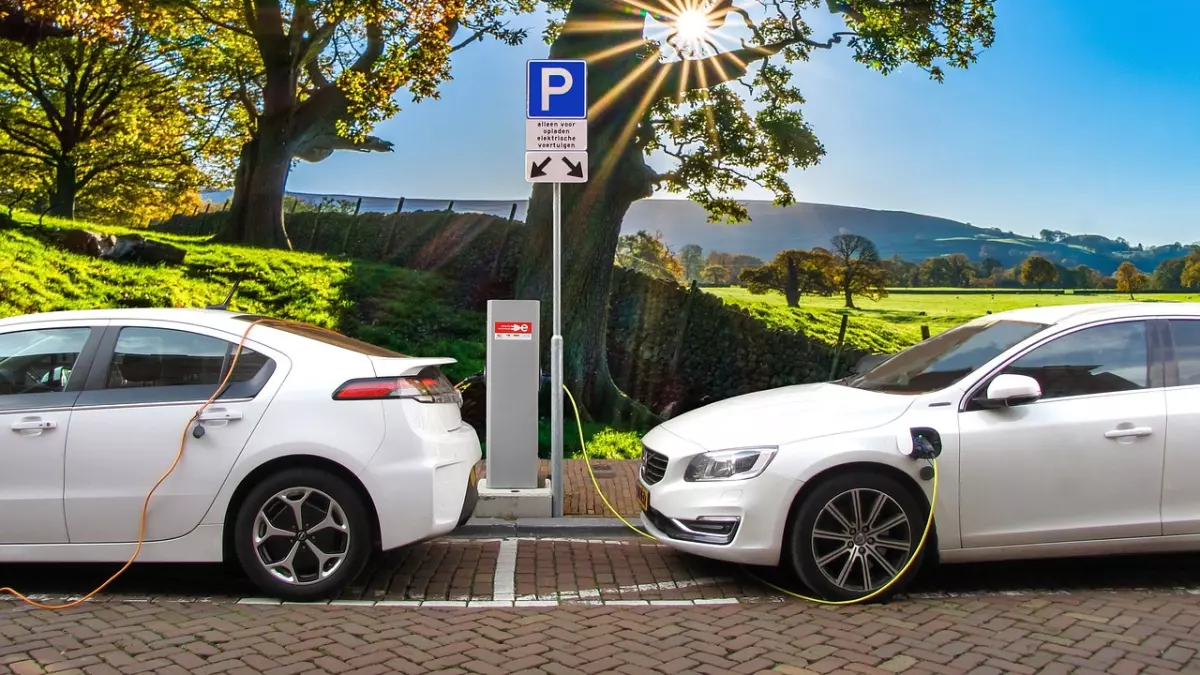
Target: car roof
[
  {"x": 204, "y": 317},
  {"x": 1099, "y": 311}
]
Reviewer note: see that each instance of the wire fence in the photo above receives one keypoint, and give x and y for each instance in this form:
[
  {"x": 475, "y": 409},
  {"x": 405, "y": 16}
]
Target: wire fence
[{"x": 512, "y": 210}]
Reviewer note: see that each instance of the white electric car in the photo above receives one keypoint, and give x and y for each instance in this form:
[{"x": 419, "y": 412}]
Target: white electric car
[
  {"x": 320, "y": 449},
  {"x": 1063, "y": 431}
]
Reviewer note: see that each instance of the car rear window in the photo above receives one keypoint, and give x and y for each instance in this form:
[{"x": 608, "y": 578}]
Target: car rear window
[{"x": 324, "y": 335}]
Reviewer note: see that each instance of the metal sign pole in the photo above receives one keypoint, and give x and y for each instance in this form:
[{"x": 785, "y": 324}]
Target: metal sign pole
[
  {"x": 556, "y": 126},
  {"x": 556, "y": 365}
]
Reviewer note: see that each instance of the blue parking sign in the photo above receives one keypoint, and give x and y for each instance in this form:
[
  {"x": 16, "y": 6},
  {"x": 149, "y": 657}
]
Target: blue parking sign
[{"x": 556, "y": 88}]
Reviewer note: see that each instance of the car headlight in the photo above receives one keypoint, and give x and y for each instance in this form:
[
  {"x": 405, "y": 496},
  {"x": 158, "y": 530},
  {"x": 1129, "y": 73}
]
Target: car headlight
[{"x": 738, "y": 464}]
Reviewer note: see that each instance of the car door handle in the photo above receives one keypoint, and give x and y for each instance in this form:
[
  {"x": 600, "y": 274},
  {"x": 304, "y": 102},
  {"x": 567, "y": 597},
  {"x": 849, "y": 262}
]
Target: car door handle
[
  {"x": 1127, "y": 433},
  {"x": 35, "y": 424},
  {"x": 219, "y": 416}
]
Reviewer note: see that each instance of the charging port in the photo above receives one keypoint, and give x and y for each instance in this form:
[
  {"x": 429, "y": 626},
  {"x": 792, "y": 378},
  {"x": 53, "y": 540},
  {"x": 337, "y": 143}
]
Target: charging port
[{"x": 926, "y": 443}]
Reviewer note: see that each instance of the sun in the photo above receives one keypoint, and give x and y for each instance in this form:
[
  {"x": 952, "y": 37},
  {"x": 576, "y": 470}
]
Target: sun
[{"x": 691, "y": 26}]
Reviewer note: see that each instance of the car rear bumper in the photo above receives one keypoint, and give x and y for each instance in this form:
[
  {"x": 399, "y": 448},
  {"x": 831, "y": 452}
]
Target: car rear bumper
[{"x": 425, "y": 491}]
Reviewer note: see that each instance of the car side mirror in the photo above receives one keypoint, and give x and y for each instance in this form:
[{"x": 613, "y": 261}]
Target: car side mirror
[{"x": 1009, "y": 390}]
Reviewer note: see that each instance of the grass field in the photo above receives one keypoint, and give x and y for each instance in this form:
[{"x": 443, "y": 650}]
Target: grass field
[
  {"x": 382, "y": 304},
  {"x": 386, "y": 305},
  {"x": 895, "y": 322}
]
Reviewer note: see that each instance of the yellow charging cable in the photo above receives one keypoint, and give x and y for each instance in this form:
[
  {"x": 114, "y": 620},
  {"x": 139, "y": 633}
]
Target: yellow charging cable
[
  {"x": 178, "y": 456},
  {"x": 869, "y": 596},
  {"x": 588, "y": 462}
]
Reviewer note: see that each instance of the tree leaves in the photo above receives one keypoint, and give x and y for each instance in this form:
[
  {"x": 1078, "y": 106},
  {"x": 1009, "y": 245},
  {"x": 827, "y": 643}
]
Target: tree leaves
[
  {"x": 729, "y": 119},
  {"x": 105, "y": 124},
  {"x": 367, "y": 51}
]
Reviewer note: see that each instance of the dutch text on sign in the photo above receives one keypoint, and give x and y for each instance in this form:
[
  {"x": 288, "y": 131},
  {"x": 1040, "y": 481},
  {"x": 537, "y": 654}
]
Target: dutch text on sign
[
  {"x": 513, "y": 330},
  {"x": 541, "y": 134}
]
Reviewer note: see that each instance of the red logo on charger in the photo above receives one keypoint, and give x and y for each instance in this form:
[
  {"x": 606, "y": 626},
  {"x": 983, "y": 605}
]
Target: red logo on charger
[{"x": 513, "y": 330}]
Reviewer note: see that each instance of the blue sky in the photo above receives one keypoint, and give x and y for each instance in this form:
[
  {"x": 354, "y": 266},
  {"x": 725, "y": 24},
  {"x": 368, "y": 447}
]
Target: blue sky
[{"x": 1084, "y": 116}]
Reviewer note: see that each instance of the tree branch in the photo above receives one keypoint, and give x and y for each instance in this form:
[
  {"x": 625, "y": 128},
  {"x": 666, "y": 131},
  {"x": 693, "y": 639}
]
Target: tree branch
[
  {"x": 313, "y": 68},
  {"x": 697, "y": 74},
  {"x": 33, "y": 86},
  {"x": 21, "y": 153},
  {"x": 373, "y": 51},
  {"x": 477, "y": 35},
  {"x": 205, "y": 16},
  {"x": 27, "y": 139},
  {"x": 836, "y": 7}
]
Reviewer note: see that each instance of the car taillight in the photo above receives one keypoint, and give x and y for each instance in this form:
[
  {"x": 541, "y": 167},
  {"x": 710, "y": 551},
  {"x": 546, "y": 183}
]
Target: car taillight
[{"x": 428, "y": 386}]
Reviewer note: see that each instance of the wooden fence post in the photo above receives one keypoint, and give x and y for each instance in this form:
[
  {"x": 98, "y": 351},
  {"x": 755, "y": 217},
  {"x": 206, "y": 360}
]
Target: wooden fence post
[
  {"x": 450, "y": 207},
  {"x": 512, "y": 213},
  {"x": 924, "y": 333},
  {"x": 400, "y": 205},
  {"x": 312, "y": 239},
  {"x": 837, "y": 351},
  {"x": 350, "y": 227}
]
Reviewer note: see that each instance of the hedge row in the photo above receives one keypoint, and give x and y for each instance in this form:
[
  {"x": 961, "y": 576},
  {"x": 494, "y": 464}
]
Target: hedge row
[
  {"x": 674, "y": 348},
  {"x": 669, "y": 347},
  {"x": 474, "y": 250}
]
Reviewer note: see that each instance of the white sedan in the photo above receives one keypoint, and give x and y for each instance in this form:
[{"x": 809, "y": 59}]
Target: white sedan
[
  {"x": 319, "y": 450},
  {"x": 1063, "y": 431}
]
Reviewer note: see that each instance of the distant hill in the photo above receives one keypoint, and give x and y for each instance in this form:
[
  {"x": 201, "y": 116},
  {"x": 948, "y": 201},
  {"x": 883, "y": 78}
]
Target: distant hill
[{"x": 912, "y": 236}]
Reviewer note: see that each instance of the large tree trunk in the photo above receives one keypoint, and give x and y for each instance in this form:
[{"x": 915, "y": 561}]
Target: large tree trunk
[
  {"x": 256, "y": 214},
  {"x": 791, "y": 284},
  {"x": 66, "y": 187},
  {"x": 591, "y": 215}
]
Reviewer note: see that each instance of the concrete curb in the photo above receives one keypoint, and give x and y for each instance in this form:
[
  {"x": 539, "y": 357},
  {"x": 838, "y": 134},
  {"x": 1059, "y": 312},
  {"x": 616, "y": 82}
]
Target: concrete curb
[{"x": 570, "y": 527}]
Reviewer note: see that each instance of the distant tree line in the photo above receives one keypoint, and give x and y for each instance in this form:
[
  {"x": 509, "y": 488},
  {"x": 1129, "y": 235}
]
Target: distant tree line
[{"x": 851, "y": 267}]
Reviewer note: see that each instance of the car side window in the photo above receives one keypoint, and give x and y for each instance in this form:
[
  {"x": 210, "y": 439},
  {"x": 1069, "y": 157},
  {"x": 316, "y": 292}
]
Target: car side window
[
  {"x": 1099, "y": 360},
  {"x": 1185, "y": 335},
  {"x": 160, "y": 357},
  {"x": 39, "y": 361}
]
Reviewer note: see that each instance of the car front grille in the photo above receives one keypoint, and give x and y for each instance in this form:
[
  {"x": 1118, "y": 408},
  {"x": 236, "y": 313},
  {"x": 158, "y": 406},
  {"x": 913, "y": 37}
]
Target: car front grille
[{"x": 654, "y": 466}]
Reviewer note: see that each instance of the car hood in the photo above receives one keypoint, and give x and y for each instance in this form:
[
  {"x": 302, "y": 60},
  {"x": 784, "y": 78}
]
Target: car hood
[{"x": 787, "y": 414}]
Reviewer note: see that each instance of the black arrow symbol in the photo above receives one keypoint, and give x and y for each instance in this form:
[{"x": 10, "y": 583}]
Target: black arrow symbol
[
  {"x": 538, "y": 169},
  {"x": 576, "y": 170}
]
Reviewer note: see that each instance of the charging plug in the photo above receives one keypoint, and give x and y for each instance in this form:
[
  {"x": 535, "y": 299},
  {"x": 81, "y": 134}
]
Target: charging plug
[{"x": 926, "y": 443}]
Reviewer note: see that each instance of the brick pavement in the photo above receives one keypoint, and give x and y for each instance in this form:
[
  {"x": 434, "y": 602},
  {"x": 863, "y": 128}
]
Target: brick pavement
[
  {"x": 617, "y": 478},
  {"x": 1126, "y": 632},
  {"x": 556, "y": 570}
]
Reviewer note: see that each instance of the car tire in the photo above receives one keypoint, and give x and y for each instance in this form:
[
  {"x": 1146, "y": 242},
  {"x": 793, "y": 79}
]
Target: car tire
[
  {"x": 312, "y": 562},
  {"x": 827, "y": 550}
]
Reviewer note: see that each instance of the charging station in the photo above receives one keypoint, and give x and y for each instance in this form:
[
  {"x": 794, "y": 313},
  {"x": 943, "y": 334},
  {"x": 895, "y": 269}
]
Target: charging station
[
  {"x": 556, "y": 141},
  {"x": 511, "y": 488}
]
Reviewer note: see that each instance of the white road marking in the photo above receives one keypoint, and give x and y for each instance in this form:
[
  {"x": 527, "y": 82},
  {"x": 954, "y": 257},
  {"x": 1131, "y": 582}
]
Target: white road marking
[{"x": 504, "y": 581}]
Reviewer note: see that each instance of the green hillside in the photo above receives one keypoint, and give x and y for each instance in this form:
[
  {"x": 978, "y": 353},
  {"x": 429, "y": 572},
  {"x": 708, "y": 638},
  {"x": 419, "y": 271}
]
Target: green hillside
[
  {"x": 911, "y": 236},
  {"x": 393, "y": 307},
  {"x": 386, "y": 305}
]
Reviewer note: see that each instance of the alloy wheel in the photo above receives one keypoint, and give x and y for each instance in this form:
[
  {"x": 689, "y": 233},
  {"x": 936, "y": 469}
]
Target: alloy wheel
[
  {"x": 861, "y": 540},
  {"x": 301, "y": 536}
]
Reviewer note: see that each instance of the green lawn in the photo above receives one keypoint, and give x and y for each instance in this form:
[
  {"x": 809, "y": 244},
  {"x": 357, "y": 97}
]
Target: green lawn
[
  {"x": 390, "y": 306},
  {"x": 895, "y": 321}
]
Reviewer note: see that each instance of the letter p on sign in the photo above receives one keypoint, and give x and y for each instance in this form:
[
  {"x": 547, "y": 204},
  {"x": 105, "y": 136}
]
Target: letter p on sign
[
  {"x": 556, "y": 89},
  {"x": 548, "y": 89}
]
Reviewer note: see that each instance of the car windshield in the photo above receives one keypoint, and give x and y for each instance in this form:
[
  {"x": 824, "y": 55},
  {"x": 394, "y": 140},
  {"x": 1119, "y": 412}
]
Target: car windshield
[{"x": 944, "y": 359}]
